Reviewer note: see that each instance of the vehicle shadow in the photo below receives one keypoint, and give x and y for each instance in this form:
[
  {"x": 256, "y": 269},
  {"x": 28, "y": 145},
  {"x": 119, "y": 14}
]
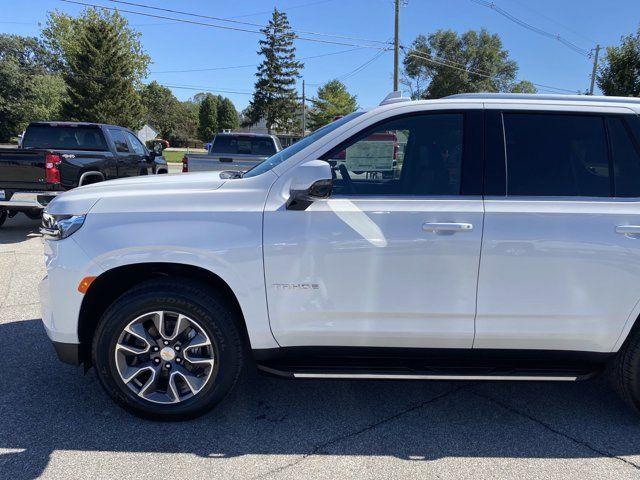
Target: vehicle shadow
[
  {"x": 19, "y": 229},
  {"x": 46, "y": 406}
]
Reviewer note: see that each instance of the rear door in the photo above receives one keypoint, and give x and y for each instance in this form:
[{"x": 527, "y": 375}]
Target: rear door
[
  {"x": 560, "y": 263},
  {"x": 127, "y": 161}
]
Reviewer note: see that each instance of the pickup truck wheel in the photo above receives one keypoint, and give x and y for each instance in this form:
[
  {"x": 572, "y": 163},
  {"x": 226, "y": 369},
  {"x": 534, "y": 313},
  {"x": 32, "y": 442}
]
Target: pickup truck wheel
[
  {"x": 3, "y": 216},
  {"x": 625, "y": 371},
  {"x": 168, "y": 350}
]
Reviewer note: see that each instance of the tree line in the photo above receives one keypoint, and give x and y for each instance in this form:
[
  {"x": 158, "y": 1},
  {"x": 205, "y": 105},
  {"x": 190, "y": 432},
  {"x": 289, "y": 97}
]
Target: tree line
[{"x": 91, "y": 68}]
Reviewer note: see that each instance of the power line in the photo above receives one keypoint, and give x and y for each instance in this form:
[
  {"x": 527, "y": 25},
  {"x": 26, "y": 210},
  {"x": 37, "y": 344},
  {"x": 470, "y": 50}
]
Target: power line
[
  {"x": 551, "y": 19},
  {"x": 238, "y": 22},
  {"x": 223, "y": 27},
  {"x": 286, "y": 10},
  {"x": 363, "y": 66},
  {"x": 533, "y": 28},
  {"x": 431, "y": 60},
  {"x": 253, "y": 64}
]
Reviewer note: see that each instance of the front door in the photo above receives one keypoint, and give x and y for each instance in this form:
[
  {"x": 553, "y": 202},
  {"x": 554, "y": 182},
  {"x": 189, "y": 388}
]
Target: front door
[{"x": 391, "y": 259}]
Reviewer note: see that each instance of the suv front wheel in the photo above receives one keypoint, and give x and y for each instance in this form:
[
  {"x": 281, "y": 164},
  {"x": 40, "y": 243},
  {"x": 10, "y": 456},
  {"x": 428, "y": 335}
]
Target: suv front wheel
[{"x": 168, "y": 350}]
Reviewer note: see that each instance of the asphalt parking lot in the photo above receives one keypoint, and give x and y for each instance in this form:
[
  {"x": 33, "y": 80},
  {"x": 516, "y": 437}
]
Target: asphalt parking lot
[{"x": 56, "y": 422}]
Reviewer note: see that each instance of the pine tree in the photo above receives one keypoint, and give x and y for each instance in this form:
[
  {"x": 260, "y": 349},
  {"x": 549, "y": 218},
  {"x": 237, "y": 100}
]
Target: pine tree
[
  {"x": 103, "y": 71},
  {"x": 275, "y": 96},
  {"x": 208, "y": 118},
  {"x": 333, "y": 100},
  {"x": 227, "y": 115}
]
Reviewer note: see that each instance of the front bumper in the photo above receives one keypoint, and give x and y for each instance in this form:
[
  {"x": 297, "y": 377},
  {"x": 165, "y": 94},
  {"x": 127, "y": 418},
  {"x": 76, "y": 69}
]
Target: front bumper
[
  {"x": 60, "y": 300},
  {"x": 28, "y": 200}
]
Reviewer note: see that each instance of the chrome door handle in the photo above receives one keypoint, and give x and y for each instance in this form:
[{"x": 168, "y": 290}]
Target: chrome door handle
[
  {"x": 628, "y": 229},
  {"x": 447, "y": 227}
]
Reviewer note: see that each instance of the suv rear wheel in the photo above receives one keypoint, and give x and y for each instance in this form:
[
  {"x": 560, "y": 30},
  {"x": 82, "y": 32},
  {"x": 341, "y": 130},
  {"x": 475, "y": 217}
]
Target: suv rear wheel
[
  {"x": 625, "y": 371},
  {"x": 168, "y": 350}
]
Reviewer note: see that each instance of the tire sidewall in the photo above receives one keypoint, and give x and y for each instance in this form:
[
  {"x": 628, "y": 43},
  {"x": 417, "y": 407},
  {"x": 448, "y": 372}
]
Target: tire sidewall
[{"x": 212, "y": 318}]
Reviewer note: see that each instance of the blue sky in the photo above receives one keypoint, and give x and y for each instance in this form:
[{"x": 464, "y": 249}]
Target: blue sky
[{"x": 179, "y": 46}]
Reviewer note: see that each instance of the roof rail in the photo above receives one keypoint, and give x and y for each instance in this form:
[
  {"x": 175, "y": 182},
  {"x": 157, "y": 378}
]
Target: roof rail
[
  {"x": 394, "y": 97},
  {"x": 535, "y": 96}
]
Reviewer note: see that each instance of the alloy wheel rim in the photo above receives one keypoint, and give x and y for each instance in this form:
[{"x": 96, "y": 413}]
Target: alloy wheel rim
[{"x": 164, "y": 357}]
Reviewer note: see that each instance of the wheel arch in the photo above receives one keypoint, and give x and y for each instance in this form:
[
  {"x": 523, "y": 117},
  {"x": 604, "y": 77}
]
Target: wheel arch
[{"x": 110, "y": 285}]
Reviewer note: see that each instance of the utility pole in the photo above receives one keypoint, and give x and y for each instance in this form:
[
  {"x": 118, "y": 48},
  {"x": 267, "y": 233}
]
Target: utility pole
[
  {"x": 595, "y": 69},
  {"x": 396, "y": 47},
  {"x": 304, "y": 111}
]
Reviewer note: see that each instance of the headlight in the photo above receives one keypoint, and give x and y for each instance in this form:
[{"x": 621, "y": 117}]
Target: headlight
[{"x": 57, "y": 227}]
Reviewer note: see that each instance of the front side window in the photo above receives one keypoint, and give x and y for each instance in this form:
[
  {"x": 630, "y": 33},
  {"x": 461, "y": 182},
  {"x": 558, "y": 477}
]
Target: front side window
[
  {"x": 135, "y": 144},
  {"x": 119, "y": 141},
  {"x": 556, "y": 155},
  {"x": 412, "y": 155}
]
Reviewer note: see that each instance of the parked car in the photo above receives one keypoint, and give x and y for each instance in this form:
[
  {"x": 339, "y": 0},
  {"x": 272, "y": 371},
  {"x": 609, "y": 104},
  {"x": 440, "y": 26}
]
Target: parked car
[
  {"x": 57, "y": 156},
  {"x": 233, "y": 152},
  {"x": 506, "y": 248}
]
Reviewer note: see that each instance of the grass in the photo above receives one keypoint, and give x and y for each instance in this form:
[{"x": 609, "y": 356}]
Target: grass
[{"x": 174, "y": 155}]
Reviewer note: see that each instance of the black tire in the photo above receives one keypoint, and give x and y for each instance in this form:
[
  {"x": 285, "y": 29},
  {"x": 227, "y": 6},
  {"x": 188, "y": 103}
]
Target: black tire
[
  {"x": 3, "y": 216},
  {"x": 625, "y": 371},
  {"x": 181, "y": 296}
]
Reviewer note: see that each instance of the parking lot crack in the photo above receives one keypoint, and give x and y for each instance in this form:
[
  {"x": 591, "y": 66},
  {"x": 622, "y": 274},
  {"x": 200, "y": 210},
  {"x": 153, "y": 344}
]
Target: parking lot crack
[
  {"x": 320, "y": 448},
  {"x": 554, "y": 430}
]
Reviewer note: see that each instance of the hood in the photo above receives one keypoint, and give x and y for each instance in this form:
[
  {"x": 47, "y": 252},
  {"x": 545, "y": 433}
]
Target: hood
[{"x": 80, "y": 200}]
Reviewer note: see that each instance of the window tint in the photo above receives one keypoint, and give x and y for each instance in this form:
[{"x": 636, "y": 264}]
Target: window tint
[
  {"x": 626, "y": 159},
  {"x": 118, "y": 139},
  {"x": 64, "y": 138},
  {"x": 556, "y": 155},
  {"x": 415, "y": 155},
  {"x": 135, "y": 144},
  {"x": 243, "y": 144}
]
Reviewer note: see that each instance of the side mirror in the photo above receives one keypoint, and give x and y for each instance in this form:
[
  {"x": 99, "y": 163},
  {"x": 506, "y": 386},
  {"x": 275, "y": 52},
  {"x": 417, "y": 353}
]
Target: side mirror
[{"x": 311, "y": 181}]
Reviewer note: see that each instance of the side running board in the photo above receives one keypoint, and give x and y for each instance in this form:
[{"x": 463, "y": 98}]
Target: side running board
[{"x": 543, "y": 375}]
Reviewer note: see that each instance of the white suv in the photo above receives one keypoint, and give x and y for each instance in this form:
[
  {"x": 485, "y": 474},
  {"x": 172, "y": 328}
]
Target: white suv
[{"x": 474, "y": 237}]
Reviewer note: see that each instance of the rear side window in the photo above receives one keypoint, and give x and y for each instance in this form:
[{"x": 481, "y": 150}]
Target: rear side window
[
  {"x": 243, "y": 145},
  {"x": 556, "y": 155},
  {"x": 64, "y": 138},
  {"x": 626, "y": 158},
  {"x": 119, "y": 140}
]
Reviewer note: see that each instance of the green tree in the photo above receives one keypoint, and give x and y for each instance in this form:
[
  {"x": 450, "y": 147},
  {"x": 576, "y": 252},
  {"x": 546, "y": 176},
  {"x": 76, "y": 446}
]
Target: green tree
[
  {"x": 333, "y": 100},
  {"x": 208, "y": 118},
  {"x": 162, "y": 109},
  {"x": 275, "y": 95},
  {"x": 620, "y": 71},
  {"x": 442, "y": 63},
  {"x": 103, "y": 64},
  {"x": 227, "y": 115},
  {"x": 30, "y": 89}
]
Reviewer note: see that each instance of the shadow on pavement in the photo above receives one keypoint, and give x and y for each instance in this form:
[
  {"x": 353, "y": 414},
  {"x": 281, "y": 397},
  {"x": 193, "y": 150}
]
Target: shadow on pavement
[
  {"x": 18, "y": 229},
  {"x": 46, "y": 406}
]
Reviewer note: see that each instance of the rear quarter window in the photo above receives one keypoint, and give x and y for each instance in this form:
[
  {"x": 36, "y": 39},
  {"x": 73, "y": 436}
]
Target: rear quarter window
[{"x": 626, "y": 157}]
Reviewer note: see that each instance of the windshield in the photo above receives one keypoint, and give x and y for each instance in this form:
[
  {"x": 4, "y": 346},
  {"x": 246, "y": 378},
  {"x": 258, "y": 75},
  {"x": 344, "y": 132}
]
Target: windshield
[
  {"x": 288, "y": 152},
  {"x": 244, "y": 145},
  {"x": 64, "y": 137}
]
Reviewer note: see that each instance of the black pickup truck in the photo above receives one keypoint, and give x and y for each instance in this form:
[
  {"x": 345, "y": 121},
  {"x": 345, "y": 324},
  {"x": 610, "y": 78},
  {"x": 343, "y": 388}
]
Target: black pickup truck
[{"x": 57, "y": 156}]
